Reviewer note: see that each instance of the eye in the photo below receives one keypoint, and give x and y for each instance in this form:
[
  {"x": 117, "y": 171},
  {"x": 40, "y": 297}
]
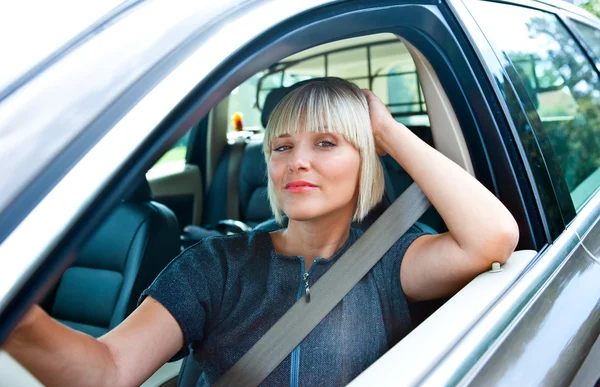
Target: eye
[
  {"x": 281, "y": 148},
  {"x": 326, "y": 144}
]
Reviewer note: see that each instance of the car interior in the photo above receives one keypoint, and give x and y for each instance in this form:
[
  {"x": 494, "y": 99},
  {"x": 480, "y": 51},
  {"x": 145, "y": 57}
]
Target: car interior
[{"x": 214, "y": 182}]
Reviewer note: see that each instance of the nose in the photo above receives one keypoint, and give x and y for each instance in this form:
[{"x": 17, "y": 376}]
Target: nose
[{"x": 299, "y": 159}]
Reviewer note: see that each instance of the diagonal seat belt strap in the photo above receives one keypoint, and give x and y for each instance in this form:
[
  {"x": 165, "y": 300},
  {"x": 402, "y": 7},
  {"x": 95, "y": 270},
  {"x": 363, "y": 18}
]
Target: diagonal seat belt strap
[{"x": 281, "y": 339}]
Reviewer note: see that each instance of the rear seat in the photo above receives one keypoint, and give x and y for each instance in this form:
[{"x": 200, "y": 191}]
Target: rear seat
[
  {"x": 252, "y": 190},
  {"x": 254, "y": 209}
]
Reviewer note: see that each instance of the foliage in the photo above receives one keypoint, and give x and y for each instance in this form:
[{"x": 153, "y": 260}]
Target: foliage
[
  {"x": 576, "y": 140},
  {"x": 175, "y": 154},
  {"x": 592, "y": 6}
]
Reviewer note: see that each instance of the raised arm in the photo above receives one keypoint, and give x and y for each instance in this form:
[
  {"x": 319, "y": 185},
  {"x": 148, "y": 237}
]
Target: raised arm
[
  {"x": 126, "y": 356},
  {"x": 481, "y": 229}
]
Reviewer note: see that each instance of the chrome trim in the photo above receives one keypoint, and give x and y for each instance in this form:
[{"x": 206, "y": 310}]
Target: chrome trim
[
  {"x": 590, "y": 214},
  {"x": 591, "y": 236},
  {"x": 56, "y": 213}
]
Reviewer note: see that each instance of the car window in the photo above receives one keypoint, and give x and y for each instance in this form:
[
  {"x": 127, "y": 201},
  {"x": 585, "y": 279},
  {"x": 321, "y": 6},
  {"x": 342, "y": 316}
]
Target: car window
[
  {"x": 242, "y": 100},
  {"x": 382, "y": 65},
  {"x": 177, "y": 153},
  {"x": 560, "y": 81},
  {"x": 590, "y": 35}
]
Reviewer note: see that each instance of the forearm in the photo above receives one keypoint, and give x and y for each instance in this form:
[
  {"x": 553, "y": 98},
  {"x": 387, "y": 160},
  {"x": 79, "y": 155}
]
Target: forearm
[
  {"x": 476, "y": 219},
  {"x": 60, "y": 356}
]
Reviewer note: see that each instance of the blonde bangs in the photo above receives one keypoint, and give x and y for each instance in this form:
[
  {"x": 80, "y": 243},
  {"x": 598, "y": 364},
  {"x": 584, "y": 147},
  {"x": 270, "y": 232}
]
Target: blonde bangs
[
  {"x": 319, "y": 108},
  {"x": 330, "y": 105}
]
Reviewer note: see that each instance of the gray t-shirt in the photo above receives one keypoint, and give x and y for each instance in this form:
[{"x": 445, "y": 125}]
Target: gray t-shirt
[{"x": 226, "y": 292}]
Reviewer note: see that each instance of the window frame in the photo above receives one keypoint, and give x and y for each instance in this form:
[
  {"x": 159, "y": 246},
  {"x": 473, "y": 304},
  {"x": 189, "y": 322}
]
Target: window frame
[
  {"x": 569, "y": 20},
  {"x": 527, "y": 114},
  {"x": 561, "y": 191}
]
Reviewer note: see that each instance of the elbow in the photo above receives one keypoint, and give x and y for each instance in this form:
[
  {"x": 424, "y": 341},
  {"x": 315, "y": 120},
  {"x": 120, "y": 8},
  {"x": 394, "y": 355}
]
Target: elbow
[
  {"x": 500, "y": 244},
  {"x": 508, "y": 240}
]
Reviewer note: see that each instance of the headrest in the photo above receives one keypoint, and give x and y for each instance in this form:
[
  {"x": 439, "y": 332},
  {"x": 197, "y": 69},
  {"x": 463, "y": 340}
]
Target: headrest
[
  {"x": 271, "y": 101},
  {"x": 141, "y": 193},
  {"x": 275, "y": 96}
]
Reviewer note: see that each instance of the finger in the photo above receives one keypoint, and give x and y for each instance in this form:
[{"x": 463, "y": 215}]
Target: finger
[{"x": 368, "y": 93}]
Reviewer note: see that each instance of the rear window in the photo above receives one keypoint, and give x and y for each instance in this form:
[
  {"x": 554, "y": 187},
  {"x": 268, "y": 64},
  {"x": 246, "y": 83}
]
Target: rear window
[{"x": 380, "y": 63}]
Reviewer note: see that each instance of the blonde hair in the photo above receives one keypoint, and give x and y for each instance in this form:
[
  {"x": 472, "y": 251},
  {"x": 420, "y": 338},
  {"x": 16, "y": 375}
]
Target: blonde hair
[{"x": 330, "y": 105}]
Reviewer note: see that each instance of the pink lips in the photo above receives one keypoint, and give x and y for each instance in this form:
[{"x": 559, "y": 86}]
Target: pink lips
[{"x": 299, "y": 186}]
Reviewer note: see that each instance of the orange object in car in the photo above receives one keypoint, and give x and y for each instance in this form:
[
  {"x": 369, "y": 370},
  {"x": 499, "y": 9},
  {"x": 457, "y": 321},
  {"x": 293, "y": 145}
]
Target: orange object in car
[{"x": 236, "y": 119}]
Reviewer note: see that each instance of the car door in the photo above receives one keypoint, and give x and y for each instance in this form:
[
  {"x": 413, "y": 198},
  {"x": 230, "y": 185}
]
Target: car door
[
  {"x": 548, "y": 88},
  {"x": 182, "y": 92},
  {"x": 111, "y": 128}
]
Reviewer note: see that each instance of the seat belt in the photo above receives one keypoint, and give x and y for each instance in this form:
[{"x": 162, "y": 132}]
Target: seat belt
[
  {"x": 232, "y": 209},
  {"x": 281, "y": 339}
]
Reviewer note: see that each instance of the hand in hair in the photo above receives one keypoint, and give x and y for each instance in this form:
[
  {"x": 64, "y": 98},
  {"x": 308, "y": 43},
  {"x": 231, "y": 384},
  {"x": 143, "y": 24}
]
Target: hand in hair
[{"x": 381, "y": 120}]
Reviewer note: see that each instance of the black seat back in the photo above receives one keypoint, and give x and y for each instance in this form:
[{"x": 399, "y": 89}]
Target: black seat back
[
  {"x": 120, "y": 260},
  {"x": 254, "y": 200}
]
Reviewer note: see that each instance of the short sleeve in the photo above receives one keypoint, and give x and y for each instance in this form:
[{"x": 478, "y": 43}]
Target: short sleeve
[
  {"x": 183, "y": 289},
  {"x": 397, "y": 315}
]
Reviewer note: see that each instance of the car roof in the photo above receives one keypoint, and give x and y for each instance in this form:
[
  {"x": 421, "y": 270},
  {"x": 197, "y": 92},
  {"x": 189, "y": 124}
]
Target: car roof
[
  {"x": 46, "y": 106},
  {"x": 36, "y": 36}
]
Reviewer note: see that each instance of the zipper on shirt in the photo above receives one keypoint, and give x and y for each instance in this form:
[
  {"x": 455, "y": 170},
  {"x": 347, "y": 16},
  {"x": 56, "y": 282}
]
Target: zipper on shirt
[
  {"x": 303, "y": 288},
  {"x": 306, "y": 286}
]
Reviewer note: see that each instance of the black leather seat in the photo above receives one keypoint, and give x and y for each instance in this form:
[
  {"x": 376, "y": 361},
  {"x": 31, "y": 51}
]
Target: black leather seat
[{"x": 120, "y": 260}]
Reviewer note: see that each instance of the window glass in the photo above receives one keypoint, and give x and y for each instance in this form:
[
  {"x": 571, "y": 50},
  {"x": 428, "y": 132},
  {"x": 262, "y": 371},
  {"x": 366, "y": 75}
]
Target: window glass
[
  {"x": 590, "y": 35},
  {"x": 380, "y": 63},
  {"x": 307, "y": 69},
  {"x": 386, "y": 56},
  {"x": 177, "y": 153},
  {"x": 348, "y": 64},
  {"x": 268, "y": 83},
  {"x": 242, "y": 101},
  {"x": 559, "y": 80}
]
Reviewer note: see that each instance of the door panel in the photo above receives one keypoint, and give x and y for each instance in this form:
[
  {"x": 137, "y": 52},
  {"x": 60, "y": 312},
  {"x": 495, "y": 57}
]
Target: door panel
[
  {"x": 548, "y": 344},
  {"x": 179, "y": 187}
]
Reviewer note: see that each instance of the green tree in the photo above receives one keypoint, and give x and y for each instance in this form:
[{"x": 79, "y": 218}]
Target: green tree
[
  {"x": 576, "y": 141},
  {"x": 592, "y": 6}
]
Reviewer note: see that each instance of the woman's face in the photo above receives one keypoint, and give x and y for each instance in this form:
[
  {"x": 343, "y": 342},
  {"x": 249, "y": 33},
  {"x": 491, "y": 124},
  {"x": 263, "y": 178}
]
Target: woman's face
[{"x": 314, "y": 174}]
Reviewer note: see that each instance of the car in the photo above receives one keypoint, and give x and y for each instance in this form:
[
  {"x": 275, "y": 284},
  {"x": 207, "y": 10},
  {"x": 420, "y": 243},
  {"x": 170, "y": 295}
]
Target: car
[{"x": 139, "y": 134}]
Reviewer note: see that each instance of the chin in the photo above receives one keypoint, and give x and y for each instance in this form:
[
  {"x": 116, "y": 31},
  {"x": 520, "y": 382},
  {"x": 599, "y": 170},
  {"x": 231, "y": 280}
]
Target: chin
[
  {"x": 304, "y": 212},
  {"x": 303, "y": 216}
]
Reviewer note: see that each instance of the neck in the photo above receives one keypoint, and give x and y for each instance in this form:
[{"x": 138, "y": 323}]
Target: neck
[{"x": 314, "y": 238}]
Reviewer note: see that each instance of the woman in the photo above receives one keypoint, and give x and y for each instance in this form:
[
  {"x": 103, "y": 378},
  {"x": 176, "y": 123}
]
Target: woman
[{"x": 221, "y": 295}]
